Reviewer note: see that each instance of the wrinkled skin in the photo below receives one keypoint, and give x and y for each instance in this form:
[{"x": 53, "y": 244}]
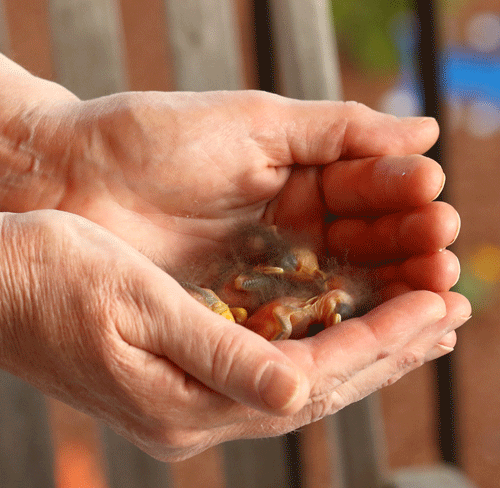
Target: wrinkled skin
[{"x": 94, "y": 322}]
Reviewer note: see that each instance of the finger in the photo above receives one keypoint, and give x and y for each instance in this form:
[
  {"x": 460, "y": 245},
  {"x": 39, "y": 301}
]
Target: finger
[
  {"x": 387, "y": 183},
  {"x": 436, "y": 272},
  {"x": 323, "y": 132},
  {"x": 222, "y": 355},
  {"x": 422, "y": 349},
  {"x": 338, "y": 353},
  {"x": 299, "y": 207},
  {"x": 458, "y": 311},
  {"x": 346, "y": 365},
  {"x": 388, "y": 368},
  {"x": 423, "y": 230},
  {"x": 445, "y": 346},
  {"x": 449, "y": 340},
  {"x": 324, "y": 362},
  {"x": 162, "y": 387}
]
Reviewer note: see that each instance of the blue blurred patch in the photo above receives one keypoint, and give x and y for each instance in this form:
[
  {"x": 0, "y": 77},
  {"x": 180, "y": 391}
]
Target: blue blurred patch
[{"x": 469, "y": 76}]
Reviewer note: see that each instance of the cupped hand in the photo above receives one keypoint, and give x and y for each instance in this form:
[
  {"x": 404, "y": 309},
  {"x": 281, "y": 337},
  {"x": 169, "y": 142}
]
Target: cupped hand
[
  {"x": 173, "y": 173},
  {"x": 91, "y": 321}
]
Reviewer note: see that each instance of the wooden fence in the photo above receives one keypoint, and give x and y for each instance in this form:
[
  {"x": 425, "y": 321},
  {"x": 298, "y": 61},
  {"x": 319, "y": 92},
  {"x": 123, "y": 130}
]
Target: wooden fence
[{"x": 205, "y": 42}]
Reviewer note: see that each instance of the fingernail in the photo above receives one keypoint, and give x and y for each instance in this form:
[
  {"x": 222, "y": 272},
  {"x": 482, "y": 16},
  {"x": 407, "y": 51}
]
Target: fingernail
[
  {"x": 447, "y": 338},
  {"x": 458, "y": 322},
  {"x": 443, "y": 182},
  {"x": 458, "y": 229},
  {"x": 417, "y": 120},
  {"x": 465, "y": 319},
  {"x": 459, "y": 272},
  {"x": 278, "y": 386},
  {"x": 437, "y": 351},
  {"x": 425, "y": 120}
]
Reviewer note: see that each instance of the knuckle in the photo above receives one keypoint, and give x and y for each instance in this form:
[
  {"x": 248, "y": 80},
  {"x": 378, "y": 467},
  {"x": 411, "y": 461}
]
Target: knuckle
[
  {"x": 393, "y": 379},
  {"x": 167, "y": 443},
  {"x": 330, "y": 403},
  {"x": 429, "y": 304},
  {"x": 229, "y": 346},
  {"x": 323, "y": 408},
  {"x": 176, "y": 439},
  {"x": 358, "y": 106},
  {"x": 410, "y": 360}
]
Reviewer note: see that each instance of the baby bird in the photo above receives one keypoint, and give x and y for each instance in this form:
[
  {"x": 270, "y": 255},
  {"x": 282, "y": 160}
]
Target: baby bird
[{"x": 272, "y": 284}]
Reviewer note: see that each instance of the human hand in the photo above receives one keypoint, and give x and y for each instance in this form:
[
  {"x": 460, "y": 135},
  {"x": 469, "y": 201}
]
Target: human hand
[
  {"x": 172, "y": 173},
  {"x": 260, "y": 156},
  {"x": 92, "y": 322}
]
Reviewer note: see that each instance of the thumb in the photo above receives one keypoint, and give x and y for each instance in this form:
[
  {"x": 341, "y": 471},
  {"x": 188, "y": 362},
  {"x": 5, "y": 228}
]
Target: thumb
[
  {"x": 223, "y": 355},
  {"x": 324, "y": 132}
]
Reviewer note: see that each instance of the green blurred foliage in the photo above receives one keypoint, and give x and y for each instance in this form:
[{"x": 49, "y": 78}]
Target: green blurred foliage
[
  {"x": 480, "y": 293},
  {"x": 365, "y": 30}
]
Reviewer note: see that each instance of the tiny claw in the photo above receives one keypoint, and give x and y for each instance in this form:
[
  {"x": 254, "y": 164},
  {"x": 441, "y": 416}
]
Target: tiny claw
[
  {"x": 222, "y": 309},
  {"x": 333, "y": 306},
  {"x": 240, "y": 315},
  {"x": 248, "y": 283},
  {"x": 268, "y": 270},
  {"x": 209, "y": 299}
]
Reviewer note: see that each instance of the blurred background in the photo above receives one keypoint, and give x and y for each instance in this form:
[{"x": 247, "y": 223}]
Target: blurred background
[
  {"x": 447, "y": 412},
  {"x": 381, "y": 67}
]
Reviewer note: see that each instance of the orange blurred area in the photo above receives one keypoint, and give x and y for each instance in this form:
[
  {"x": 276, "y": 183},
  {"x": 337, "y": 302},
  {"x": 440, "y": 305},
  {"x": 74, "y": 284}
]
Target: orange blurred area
[
  {"x": 485, "y": 263},
  {"x": 78, "y": 461},
  {"x": 76, "y": 467}
]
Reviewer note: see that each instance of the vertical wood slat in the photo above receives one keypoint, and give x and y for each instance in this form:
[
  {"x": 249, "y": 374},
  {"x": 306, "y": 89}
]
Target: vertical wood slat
[
  {"x": 306, "y": 50},
  {"x": 205, "y": 469},
  {"x": 204, "y": 44},
  {"x": 245, "y": 20},
  {"x": 29, "y": 35},
  {"x": 129, "y": 467},
  {"x": 255, "y": 463},
  {"x": 25, "y": 445},
  {"x": 4, "y": 36},
  {"x": 87, "y": 42},
  {"x": 444, "y": 476},
  {"x": 334, "y": 450},
  {"x": 359, "y": 434},
  {"x": 147, "y": 53}
]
